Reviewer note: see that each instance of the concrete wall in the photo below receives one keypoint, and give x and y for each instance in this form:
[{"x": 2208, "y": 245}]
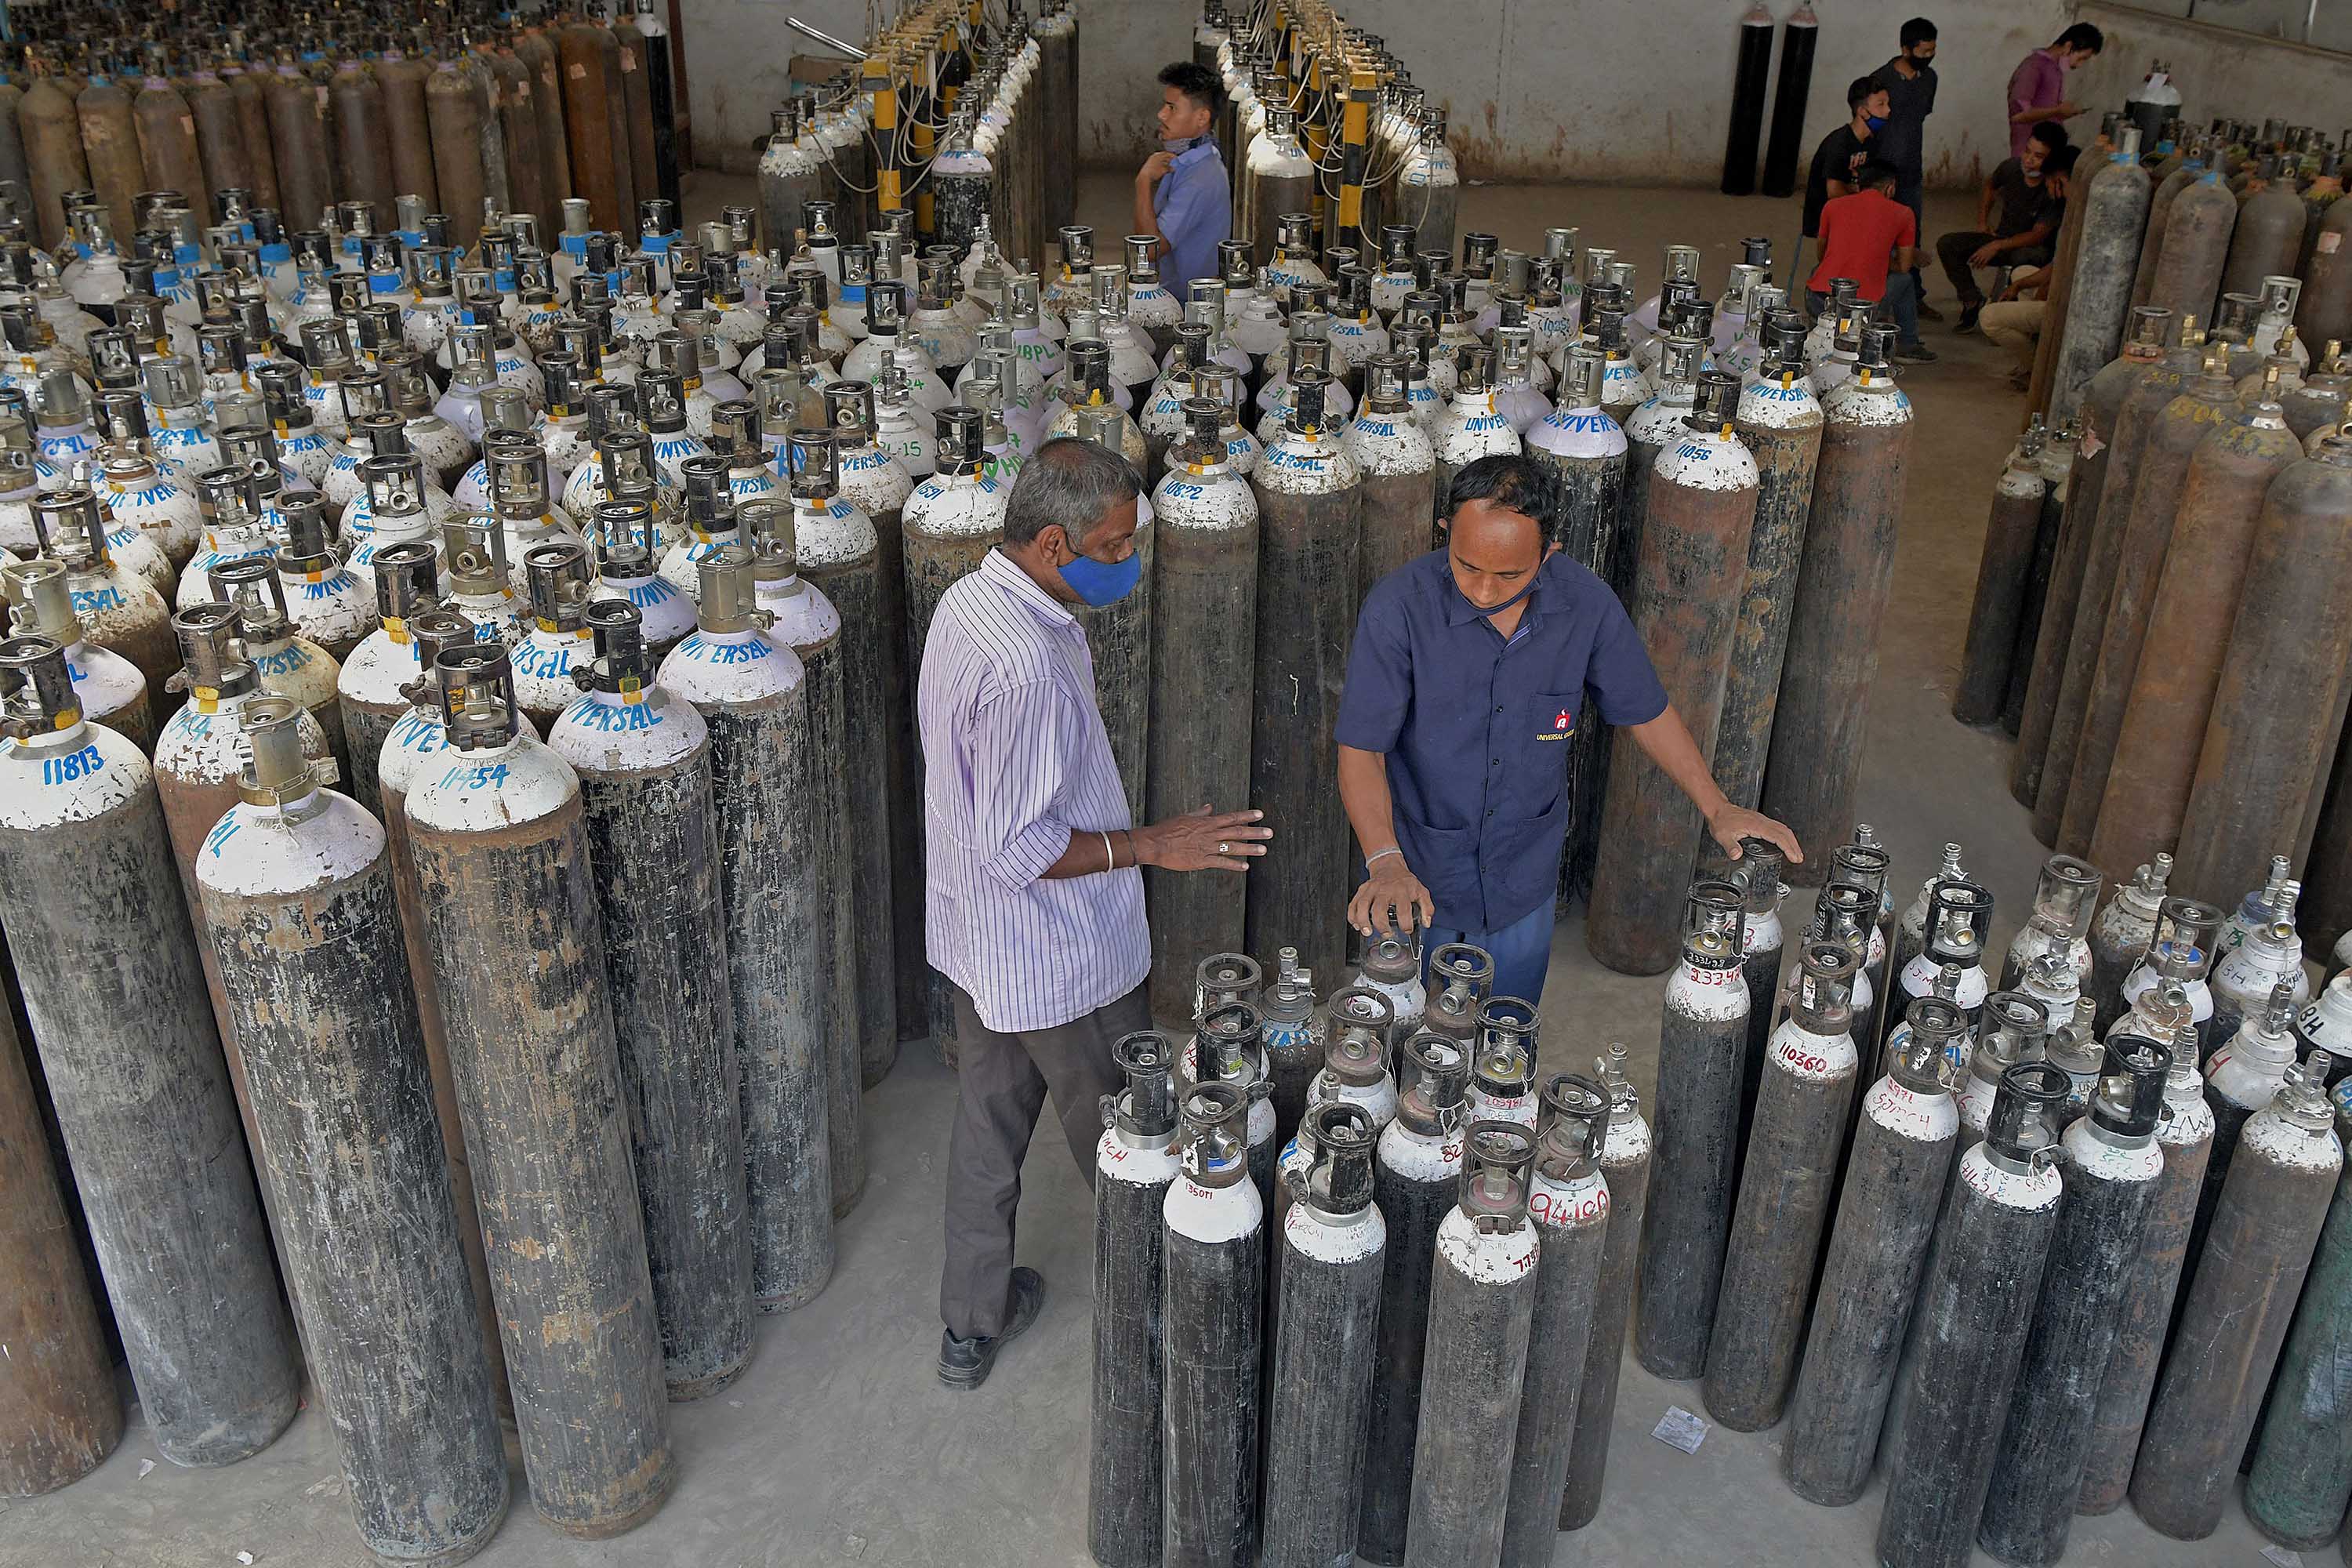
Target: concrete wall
[{"x": 1567, "y": 90}]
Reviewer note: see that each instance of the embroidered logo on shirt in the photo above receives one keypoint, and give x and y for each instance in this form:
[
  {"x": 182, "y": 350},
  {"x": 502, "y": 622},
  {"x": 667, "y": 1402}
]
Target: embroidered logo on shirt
[{"x": 1563, "y": 726}]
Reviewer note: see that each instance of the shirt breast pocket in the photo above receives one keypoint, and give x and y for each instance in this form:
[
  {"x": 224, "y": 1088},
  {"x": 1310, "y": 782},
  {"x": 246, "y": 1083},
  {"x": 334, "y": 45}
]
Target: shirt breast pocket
[{"x": 1553, "y": 717}]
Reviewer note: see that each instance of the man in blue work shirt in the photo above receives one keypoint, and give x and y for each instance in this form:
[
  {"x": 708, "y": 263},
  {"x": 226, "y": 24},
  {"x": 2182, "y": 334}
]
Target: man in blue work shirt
[
  {"x": 1182, "y": 197},
  {"x": 1471, "y": 667}
]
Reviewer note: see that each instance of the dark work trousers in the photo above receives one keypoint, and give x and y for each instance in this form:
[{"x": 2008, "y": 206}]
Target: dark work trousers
[
  {"x": 1002, "y": 1081},
  {"x": 1908, "y": 195},
  {"x": 1954, "y": 250}
]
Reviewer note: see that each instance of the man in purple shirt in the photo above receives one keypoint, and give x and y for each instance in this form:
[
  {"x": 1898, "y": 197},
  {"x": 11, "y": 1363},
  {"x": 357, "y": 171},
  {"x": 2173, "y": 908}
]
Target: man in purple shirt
[
  {"x": 1181, "y": 195},
  {"x": 2037, "y": 87},
  {"x": 1033, "y": 897}
]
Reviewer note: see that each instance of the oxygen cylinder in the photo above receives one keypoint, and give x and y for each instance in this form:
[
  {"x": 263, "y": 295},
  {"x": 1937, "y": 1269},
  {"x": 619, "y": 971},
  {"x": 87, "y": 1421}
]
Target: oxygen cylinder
[
  {"x": 500, "y": 847},
  {"x": 1746, "y": 122},
  {"x": 1798, "y": 34},
  {"x": 2268, "y": 236},
  {"x": 458, "y": 116},
  {"x": 642, "y": 757},
  {"x": 1293, "y": 1048},
  {"x": 1308, "y": 493},
  {"x": 118, "y": 610},
  {"x": 536, "y": 49},
  {"x": 109, "y": 689},
  {"x": 2265, "y": 758},
  {"x": 2120, "y": 936},
  {"x": 1893, "y": 1184},
  {"x": 250, "y": 89},
  {"x": 1700, "y": 512},
  {"x": 2186, "y": 1138},
  {"x": 1688, "y": 1221},
  {"x": 53, "y": 153},
  {"x": 1134, "y": 1165},
  {"x": 1624, "y": 1161},
  {"x": 1418, "y": 1169},
  {"x": 518, "y": 124},
  {"x": 300, "y": 913},
  {"x": 2243, "y": 982},
  {"x": 2111, "y": 1167},
  {"x": 808, "y": 623},
  {"x": 2187, "y": 631},
  {"x": 1784, "y": 1196},
  {"x": 2188, "y": 268},
  {"x": 2299, "y": 1478},
  {"x": 751, "y": 690},
  {"x": 1399, "y": 467},
  {"x": 2240, "y": 1081},
  {"x": 65, "y": 1416},
  {"x": 298, "y": 140},
  {"x": 1569, "y": 1201},
  {"x": 839, "y": 555},
  {"x": 1762, "y": 944},
  {"x": 1213, "y": 1267},
  {"x": 2063, "y": 898},
  {"x": 2057, "y": 466},
  {"x": 2206, "y": 402},
  {"x": 1841, "y": 598},
  {"x": 2234, "y": 1313},
  {"x": 1976, "y": 1309},
  {"x": 1996, "y": 617},
  {"x": 109, "y": 139},
  {"x": 1779, "y": 422},
  {"x": 407, "y": 126},
  {"x": 117, "y": 1004},
  {"x": 372, "y": 686},
  {"x": 364, "y": 169},
  {"x": 1586, "y": 450},
  {"x": 2115, "y": 217},
  {"x": 1331, "y": 1263}
]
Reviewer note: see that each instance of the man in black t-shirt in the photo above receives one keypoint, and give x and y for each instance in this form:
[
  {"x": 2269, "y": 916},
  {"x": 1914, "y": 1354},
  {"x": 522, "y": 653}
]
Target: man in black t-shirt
[
  {"x": 1837, "y": 162},
  {"x": 2017, "y": 220}
]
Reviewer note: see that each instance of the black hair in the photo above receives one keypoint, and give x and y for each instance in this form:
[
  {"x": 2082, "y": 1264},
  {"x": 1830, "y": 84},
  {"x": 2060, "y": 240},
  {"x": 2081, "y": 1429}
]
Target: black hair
[
  {"x": 2050, "y": 134},
  {"x": 1916, "y": 31},
  {"x": 1512, "y": 482},
  {"x": 1195, "y": 81},
  {"x": 1071, "y": 482},
  {"x": 1877, "y": 171},
  {"x": 1863, "y": 86},
  {"x": 2060, "y": 159},
  {"x": 2082, "y": 36}
]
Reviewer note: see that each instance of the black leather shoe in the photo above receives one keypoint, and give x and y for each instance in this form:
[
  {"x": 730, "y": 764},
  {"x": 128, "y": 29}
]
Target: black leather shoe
[{"x": 964, "y": 1363}]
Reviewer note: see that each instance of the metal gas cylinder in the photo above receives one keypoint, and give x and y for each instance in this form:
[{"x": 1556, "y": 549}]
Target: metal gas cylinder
[
  {"x": 2115, "y": 217},
  {"x": 628, "y": 544},
  {"x": 116, "y": 998},
  {"x": 119, "y": 610},
  {"x": 2064, "y": 896},
  {"x": 109, "y": 689},
  {"x": 499, "y": 842},
  {"x": 1687, "y": 1222},
  {"x": 297, "y": 908},
  {"x": 1135, "y": 1164},
  {"x": 287, "y": 662},
  {"x": 751, "y": 690}
]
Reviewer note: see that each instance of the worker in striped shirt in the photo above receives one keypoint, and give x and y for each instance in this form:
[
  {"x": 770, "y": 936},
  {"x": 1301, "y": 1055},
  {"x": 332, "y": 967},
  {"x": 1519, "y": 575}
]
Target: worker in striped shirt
[{"x": 1033, "y": 895}]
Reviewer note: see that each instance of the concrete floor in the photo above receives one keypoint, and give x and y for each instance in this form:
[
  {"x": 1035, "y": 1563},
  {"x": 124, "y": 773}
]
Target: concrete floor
[{"x": 839, "y": 1445}]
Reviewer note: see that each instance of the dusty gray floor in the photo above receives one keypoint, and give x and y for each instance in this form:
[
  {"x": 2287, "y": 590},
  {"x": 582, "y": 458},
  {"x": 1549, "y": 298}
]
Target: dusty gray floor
[{"x": 838, "y": 1446}]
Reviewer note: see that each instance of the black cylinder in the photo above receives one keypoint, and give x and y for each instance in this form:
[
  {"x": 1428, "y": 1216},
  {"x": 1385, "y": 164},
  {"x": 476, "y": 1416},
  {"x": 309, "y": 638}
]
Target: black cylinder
[
  {"x": 1688, "y": 1219},
  {"x": 1626, "y": 1164},
  {"x": 1213, "y": 1273},
  {"x": 1482, "y": 1298},
  {"x": 316, "y": 982},
  {"x": 2302, "y": 1470},
  {"x": 1569, "y": 1205},
  {"x": 1995, "y": 618},
  {"x": 2234, "y": 1315},
  {"x": 1895, "y": 1179},
  {"x": 1331, "y": 1258},
  {"x": 1414, "y": 1182},
  {"x": 1787, "y": 144},
  {"x": 1784, "y": 1196},
  {"x": 2110, "y": 1162},
  {"x": 1748, "y": 79},
  {"x": 1975, "y": 1312},
  {"x": 99, "y": 927},
  {"x": 1134, "y": 1163}
]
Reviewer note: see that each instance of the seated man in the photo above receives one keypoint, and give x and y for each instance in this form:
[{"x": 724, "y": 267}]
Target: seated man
[
  {"x": 1872, "y": 238},
  {"x": 2013, "y": 322},
  {"x": 2020, "y": 235},
  {"x": 1835, "y": 170}
]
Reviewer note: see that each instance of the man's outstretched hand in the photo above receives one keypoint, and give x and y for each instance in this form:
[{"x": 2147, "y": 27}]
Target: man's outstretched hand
[
  {"x": 1202, "y": 840},
  {"x": 1391, "y": 896},
  {"x": 1730, "y": 823}
]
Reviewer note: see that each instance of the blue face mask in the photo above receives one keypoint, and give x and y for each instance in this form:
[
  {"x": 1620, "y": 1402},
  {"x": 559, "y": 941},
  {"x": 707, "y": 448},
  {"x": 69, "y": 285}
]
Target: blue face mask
[
  {"x": 1876, "y": 121},
  {"x": 1100, "y": 583}
]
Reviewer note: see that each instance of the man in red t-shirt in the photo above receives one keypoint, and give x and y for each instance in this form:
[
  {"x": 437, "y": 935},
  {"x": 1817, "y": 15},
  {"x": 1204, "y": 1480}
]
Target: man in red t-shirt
[{"x": 1872, "y": 239}]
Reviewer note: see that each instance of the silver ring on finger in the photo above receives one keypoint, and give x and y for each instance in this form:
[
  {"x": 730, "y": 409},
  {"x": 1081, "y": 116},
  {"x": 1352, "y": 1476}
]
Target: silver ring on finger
[{"x": 1223, "y": 849}]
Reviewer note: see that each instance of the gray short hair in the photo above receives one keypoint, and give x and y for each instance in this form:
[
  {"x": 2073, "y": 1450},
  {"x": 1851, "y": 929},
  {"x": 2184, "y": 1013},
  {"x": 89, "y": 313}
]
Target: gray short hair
[{"x": 1072, "y": 483}]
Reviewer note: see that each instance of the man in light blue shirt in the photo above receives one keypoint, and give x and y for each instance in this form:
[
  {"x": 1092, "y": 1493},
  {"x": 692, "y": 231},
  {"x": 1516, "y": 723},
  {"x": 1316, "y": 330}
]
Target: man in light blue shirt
[{"x": 1181, "y": 195}]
